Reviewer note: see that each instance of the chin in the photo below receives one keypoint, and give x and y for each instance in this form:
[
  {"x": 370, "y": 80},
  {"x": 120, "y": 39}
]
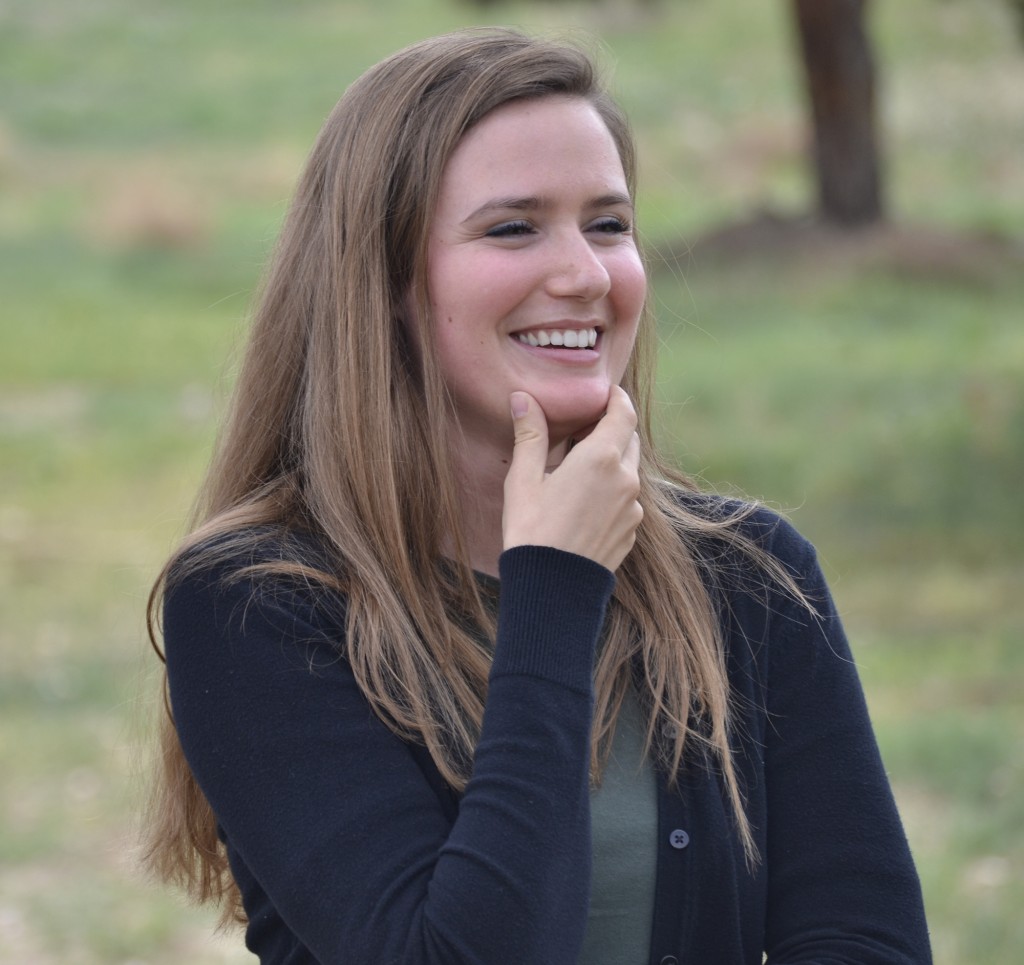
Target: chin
[{"x": 568, "y": 417}]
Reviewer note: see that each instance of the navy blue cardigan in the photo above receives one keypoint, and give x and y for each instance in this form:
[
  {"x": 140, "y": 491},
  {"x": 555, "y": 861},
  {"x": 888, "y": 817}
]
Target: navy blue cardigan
[{"x": 348, "y": 847}]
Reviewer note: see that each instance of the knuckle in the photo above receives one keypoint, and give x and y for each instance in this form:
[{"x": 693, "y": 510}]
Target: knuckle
[
  {"x": 526, "y": 434},
  {"x": 605, "y": 457},
  {"x": 629, "y": 480}
]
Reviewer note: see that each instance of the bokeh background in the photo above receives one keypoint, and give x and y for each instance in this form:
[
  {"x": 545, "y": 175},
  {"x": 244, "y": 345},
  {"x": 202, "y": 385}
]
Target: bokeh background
[{"x": 871, "y": 384}]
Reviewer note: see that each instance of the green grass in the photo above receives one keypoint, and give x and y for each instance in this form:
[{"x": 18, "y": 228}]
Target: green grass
[
  {"x": 888, "y": 410},
  {"x": 147, "y": 152}
]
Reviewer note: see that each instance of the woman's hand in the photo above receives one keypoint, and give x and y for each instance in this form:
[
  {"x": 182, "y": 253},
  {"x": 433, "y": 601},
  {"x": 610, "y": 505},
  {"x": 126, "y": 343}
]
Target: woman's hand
[{"x": 588, "y": 505}]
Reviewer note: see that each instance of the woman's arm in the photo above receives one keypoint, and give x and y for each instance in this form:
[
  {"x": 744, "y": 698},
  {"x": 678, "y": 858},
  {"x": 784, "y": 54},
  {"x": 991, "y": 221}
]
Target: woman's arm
[{"x": 332, "y": 815}]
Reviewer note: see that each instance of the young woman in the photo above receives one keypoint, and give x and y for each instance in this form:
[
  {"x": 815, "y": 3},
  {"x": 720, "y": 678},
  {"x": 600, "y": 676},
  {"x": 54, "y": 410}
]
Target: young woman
[{"x": 458, "y": 670}]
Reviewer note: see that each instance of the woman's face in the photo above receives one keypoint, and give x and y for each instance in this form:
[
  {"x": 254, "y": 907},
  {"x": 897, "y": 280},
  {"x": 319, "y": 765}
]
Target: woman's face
[{"x": 534, "y": 278}]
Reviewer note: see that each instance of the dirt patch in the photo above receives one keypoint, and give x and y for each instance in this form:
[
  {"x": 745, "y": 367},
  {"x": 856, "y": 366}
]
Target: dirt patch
[{"x": 921, "y": 251}]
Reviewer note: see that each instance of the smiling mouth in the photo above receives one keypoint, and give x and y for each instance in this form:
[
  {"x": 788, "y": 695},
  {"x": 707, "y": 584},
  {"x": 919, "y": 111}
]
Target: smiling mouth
[{"x": 560, "y": 338}]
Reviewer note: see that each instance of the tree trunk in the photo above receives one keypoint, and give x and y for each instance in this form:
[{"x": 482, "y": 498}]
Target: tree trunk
[
  {"x": 840, "y": 74},
  {"x": 1018, "y": 9}
]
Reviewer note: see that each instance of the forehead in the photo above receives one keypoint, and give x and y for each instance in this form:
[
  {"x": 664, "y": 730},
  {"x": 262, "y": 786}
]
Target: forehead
[{"x": 534, "y": 140}]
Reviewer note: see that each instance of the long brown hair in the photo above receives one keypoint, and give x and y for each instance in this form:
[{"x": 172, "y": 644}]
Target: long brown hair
[{"x": 335, "y": 422}]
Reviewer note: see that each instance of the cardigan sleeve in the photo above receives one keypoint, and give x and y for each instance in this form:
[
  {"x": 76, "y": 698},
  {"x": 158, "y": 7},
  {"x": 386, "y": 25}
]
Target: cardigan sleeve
[
  {"x": 842, "y": 887},
  {"x": 346, "y": 851}
]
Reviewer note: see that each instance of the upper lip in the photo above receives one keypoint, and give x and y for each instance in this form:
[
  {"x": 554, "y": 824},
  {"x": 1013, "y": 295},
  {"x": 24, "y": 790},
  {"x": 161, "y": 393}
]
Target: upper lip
[{"x": 560, "y": 326}]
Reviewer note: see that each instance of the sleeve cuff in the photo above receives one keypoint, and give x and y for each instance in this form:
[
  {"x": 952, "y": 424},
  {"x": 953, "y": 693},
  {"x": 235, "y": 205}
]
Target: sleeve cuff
[{"x": 550, "y": 616}]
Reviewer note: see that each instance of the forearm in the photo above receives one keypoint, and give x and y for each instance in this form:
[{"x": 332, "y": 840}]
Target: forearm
[{"x": 331, "y": 813}]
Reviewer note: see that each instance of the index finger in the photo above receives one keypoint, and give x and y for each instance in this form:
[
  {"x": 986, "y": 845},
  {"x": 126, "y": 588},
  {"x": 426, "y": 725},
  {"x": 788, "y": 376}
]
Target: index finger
[{"x": 618, "y": 423}]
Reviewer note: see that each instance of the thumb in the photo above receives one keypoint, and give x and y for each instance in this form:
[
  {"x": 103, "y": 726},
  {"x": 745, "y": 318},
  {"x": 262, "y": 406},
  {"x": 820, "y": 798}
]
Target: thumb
[{"x": 530, "y": 455}]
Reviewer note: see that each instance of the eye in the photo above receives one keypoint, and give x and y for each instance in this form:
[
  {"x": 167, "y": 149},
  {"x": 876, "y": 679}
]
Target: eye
[
  {"x": 510, "y": 229},
  {"x": 611, "y": 226}
]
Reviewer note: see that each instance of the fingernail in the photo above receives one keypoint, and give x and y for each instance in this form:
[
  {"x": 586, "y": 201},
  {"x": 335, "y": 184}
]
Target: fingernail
[{"x": 520, "y": 403}]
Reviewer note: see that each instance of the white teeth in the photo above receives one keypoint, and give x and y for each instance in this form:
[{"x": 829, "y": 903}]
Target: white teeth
[{"x": 568, "y": 338}]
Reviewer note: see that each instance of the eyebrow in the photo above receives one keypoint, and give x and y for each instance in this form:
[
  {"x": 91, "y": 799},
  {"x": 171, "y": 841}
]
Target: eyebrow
[{"x": 539, "y": 203}]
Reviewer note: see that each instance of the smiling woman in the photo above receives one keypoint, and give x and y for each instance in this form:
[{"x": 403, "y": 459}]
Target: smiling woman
[
  {"x": 534, "y": 199},
  {"x": 459, "y": 671}
]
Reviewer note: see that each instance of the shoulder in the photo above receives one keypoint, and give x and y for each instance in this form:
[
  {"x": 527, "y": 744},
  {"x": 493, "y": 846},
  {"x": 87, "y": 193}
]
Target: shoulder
[
  {"x": 247, "y": 548},
  {"x": 730, "y": 530},
  {"x": 269, "y": 557},
  {"x": 256, "y": 576}
]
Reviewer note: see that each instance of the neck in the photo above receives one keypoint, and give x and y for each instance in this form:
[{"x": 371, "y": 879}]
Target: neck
[{"x": 481, "y": 470}]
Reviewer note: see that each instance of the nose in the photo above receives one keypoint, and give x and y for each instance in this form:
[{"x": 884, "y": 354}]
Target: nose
[{"x": 577, "y": 270}]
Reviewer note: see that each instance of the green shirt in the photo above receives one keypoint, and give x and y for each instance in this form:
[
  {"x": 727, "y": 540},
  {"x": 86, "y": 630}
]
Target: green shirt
[
  {"x": 624, "y": 841},
  {"x": 624, "y": 828}
]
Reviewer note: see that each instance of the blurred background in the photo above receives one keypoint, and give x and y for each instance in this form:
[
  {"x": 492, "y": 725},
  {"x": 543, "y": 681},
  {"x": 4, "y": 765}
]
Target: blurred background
[{"x": 842, "y": 339}]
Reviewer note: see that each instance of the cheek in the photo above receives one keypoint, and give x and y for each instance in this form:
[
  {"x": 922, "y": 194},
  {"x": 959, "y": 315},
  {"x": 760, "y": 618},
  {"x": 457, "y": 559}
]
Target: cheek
[
  {"x": 461, "y": 343},
  {"x": 631, "y": 291},
  {"x": 630, "y": 281},
  {"x": 458, "y": 299}
]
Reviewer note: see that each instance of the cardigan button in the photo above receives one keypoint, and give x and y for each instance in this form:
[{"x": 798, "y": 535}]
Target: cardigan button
[
  {"x": 679, "y": 839},
  {"x": 669, "y": 960}
]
